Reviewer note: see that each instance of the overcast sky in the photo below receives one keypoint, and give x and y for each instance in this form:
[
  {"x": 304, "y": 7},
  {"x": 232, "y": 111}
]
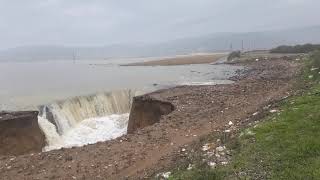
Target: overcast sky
[{"x": 103, "y": 22}]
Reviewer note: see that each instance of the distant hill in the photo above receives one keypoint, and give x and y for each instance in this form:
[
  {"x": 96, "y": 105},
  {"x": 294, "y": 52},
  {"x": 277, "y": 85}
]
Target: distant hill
[{"x": 208, "y": 43}]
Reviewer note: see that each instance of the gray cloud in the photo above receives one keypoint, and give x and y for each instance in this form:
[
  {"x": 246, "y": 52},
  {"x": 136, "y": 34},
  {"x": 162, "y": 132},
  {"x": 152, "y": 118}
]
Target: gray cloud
[{"x": 102, "y": 22}]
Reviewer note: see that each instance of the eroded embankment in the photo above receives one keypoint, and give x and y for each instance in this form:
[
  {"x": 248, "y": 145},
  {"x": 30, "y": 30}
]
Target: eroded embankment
[
  {"x": 146, "y": 111},
  {"x": 199, "y": 111},
  {"x": 20, "y": 133}
]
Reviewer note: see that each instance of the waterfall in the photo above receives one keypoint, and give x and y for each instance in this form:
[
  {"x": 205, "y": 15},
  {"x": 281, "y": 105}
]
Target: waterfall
[{"x": 86, "y": 119}]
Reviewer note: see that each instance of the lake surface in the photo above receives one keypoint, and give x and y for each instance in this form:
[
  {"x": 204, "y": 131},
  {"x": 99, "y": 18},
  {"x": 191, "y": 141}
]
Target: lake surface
[{"x": 24, "y": 86}]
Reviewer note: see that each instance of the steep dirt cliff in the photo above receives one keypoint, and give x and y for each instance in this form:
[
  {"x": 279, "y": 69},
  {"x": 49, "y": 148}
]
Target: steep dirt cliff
[
  {"x": 147, "y": 110},
  {"x": 20, "y": 133}
]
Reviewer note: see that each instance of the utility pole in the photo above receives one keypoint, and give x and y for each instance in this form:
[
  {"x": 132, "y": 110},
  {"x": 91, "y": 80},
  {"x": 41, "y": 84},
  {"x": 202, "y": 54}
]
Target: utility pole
[
  {"x": 74, "y": 57},
  {"x": 242, "y": 48}
]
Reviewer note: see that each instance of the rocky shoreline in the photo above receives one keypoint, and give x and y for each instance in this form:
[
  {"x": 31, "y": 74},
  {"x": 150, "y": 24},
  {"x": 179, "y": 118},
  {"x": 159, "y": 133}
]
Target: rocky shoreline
[{"x": 198, "y": 111}]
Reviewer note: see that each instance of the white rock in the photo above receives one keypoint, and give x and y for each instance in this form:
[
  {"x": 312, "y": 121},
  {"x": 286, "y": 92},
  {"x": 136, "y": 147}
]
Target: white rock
[
  {"x": 227, "y": 131},
  {"x": 210, "y": 153},
  {"x": 183, "y": 149},
  {"x": 212, "y": 164},
  {"x": 224, "y": 163},
  {"x": 189, "y": 167},
  {"x": 310, "y": 77},
  {"x": 205, "y": 147},
  {"x": 166, "y": 174},
  {"x": 220, "y": 148},
  {"x": 230, "y": 123},
  {"x": 273, "y": 111},
  {"x": 256, "y": 113}
]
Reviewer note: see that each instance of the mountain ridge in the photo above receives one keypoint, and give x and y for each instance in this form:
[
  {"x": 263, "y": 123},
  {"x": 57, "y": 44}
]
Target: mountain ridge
[{"x": 214, "y": 42}]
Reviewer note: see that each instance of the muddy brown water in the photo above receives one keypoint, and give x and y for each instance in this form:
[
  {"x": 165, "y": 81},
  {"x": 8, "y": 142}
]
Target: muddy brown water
[{"x": 26, "y": 85}]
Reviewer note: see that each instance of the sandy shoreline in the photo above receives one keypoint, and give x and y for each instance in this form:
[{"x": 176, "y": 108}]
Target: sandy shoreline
[{"x": 182, "y": 60}]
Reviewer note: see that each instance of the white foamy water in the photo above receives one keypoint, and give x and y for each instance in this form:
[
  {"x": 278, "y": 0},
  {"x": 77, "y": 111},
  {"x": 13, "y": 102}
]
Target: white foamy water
[
  {"x": 68, "y": 113},
  {"x": 86, "y": 119},
  {"x": 88, "y": 131}
]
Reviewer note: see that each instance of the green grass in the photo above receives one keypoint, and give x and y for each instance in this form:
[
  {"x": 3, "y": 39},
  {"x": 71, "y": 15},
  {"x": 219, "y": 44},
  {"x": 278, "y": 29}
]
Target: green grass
[
  {"x": 196, "y": 174},
  {"x": 284, "y": 146}
]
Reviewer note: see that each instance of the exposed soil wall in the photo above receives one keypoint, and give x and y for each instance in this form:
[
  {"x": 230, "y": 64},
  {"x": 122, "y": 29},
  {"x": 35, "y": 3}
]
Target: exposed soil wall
[
  {"x": 146, "y": 111},
  {"x": 20, "y": 133}
]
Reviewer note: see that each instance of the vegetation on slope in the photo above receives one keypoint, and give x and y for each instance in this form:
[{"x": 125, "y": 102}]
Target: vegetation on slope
[
  {"x": 233, "y": 55},
  {"x": 306, "y": 48},
  {"x": 285, "y": 146}
]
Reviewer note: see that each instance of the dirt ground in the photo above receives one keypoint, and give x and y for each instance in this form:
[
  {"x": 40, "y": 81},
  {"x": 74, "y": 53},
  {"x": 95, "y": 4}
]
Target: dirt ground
[{"x": 200, "y": 111}]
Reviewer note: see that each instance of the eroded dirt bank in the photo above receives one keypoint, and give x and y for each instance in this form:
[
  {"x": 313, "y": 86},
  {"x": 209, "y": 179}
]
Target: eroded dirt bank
[
  {"x": 146, "y": 111},
  {"x": 199, "y": 111},
  {"x": 20, "y": 133}
]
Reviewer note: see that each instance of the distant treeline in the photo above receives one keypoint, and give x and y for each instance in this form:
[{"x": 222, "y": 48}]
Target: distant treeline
[{"x": 306, "y": 48}]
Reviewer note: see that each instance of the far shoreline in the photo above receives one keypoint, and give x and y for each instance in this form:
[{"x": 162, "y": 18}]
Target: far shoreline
[{"x": 203, "y": 58}]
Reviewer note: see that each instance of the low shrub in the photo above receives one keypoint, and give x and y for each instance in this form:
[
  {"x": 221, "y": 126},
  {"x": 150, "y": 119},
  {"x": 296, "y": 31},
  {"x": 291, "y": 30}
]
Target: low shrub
[{"x": 234, "y": 54}]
